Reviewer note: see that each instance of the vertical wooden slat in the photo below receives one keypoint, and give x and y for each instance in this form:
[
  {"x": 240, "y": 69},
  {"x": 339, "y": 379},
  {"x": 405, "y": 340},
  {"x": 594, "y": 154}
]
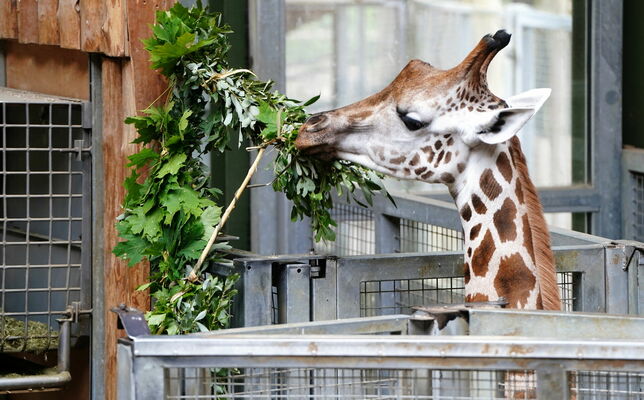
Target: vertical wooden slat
[
  {"x": 91, "y": 17},
  {"x": 48, "y": 22},
  {"x": 28, "y": 21},
  {"x": 8, "y": 19},
  {"x": 120, "y": 281},
  {"x": 69, "y": 23},
  {"x": 114, "y": 29},
  {"x": 140, "y": 14}
]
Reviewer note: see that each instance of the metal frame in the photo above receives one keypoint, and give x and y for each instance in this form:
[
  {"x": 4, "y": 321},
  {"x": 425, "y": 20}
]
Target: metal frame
[
  {"x": 77, "y": 295},
  {"x": 591, "y": 342},
  {"x": 316, "y": 288}
]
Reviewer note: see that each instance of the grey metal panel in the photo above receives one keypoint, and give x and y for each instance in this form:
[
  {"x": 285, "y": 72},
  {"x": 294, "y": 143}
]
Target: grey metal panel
[
  {"x": 147, "y": 378},
  {"x": 616, "y": 280},
  {"x": 606, "y": 112},
  {"x": 294, "y": 293},
  {"x": 588, "y": 261},
  {"x": 323, "y": 295},
  {"x": 552, "y": 382},
  {"x": 387, "y": 234},
  {"x": 124, "y": 384},
  {"x": 252, "y": 307},
  {"x": 496, "y": 322}
]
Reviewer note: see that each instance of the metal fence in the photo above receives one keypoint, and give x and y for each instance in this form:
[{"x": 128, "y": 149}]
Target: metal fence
[
  {"x": 393, "y": 357},
  {"x": 46, "y": 225}
]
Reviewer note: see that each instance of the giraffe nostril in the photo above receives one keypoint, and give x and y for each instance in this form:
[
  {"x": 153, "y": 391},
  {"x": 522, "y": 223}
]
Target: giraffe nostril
[{"x": 314, "y": 123}]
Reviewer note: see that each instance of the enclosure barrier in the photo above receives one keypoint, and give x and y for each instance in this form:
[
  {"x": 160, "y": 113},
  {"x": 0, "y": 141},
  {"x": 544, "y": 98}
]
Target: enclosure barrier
[
  {"x": 45, "y": 228},
  {"x": 393, "y": 358}
]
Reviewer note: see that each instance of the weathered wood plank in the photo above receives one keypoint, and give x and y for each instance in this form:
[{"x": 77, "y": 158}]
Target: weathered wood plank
[
  {"x": 69, "y": 23},
  {"x": 48, "y": 22},
  {"x": 91, "y": 17},
  {"x": 140, "y": 14},
  {"x": 114, "y": 29},
  {"x": 28, "y": 21},
  {"x": 47, "y": 69},
  {"x": 120, "y": 281},
  {"x": 8, "y": 19}
]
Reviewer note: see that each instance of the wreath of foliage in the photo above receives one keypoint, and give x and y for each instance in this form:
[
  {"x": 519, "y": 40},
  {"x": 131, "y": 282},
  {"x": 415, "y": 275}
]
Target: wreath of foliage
[{"x": 169, "y": 212}]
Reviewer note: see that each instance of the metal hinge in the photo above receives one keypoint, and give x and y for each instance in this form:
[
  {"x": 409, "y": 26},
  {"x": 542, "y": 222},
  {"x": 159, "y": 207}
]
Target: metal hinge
[{"x": 318, "y": 268}]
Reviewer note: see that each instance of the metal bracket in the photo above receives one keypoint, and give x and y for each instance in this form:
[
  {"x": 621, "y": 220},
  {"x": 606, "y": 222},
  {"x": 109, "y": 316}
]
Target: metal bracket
[
  {"x": 78, "y": 149},
  {"x": 132, "y": 320},
  {"x": 318, "y": 268},
  {"x": 442, "y": 314}
]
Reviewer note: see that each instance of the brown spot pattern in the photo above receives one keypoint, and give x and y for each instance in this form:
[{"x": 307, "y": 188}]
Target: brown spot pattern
[
  {"x": 478, "y": 204},
  {"x": 460, "y": 166},
  {"x": 476, "y": 298},
  {"x": 438, "y": 145},
  {"x": 398, "y": 160},
  {"x": 474, "y": 232},
  {"x": 503, "y": 164},
  {"x": 519, "y": 191},
  {"x": 489, "y": 185},
  {"x": 439, "y": 158},
  {"x": 448, "y": 157},
  {"x": 527, "y": 237},
  {"x": 504, "y": 221},
  {"x": 466, "y": 212},
  {"x": 483, "y": 254},
  {"x": 414, "y": 161},
  {"x": 450, "y": 141},
  {"x": 427, "y": 174},
  {"x": 447, "y": 178},
  {"x": 420, "y": 170},
  {"x": 466, "y": 273},
  {"x": 514, "y": 281},
  {"x": 469, "y": 252}
]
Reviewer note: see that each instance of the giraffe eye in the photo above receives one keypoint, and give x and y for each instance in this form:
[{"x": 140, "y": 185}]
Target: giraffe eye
[{"x": 410, "y": 120}]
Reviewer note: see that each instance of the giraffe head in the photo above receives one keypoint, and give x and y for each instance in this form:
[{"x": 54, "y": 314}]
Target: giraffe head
[{"x": 424, "y": 125}]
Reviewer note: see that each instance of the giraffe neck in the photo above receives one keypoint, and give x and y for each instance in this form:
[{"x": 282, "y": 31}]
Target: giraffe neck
[{"x": 499, "y": 227}]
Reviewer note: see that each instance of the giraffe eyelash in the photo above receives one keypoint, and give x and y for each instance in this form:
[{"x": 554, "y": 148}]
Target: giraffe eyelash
[{"x": 411, "y": 123}]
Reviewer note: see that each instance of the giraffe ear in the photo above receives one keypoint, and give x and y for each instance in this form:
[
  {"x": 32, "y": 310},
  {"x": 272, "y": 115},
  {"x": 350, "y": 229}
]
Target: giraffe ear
[{"x": 505, "y": 123}]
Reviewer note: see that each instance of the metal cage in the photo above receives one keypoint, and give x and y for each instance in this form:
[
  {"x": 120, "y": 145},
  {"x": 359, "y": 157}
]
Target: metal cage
[{"x": 45, "y": 220}]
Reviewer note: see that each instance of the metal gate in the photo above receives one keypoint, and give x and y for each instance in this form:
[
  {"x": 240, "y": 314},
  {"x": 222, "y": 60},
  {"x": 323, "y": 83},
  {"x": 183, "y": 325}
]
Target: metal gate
[
  {"x": 392, "y": 357},
  {"x": 45, "y": 218}
]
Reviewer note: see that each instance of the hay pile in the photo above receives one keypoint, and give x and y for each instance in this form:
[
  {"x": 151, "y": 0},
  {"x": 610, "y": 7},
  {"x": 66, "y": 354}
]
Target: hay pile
[{"x": 39, "y": 337}]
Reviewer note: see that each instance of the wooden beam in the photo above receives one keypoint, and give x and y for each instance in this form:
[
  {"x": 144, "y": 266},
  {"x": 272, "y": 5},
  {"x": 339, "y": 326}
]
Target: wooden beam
[
  {"x": 69, "y": 23},
  {"x": 28, "y": 21},
  {"x": 120, "y": 281},
  {"x": 9, "y": 19},
  {"x": 114, "y": 29},
  {"x": 140, "y": 14},
  {"x": 47, "y": 69},
  {"x": 91, "y": 16},
  {"x": 48, "y": 22}
]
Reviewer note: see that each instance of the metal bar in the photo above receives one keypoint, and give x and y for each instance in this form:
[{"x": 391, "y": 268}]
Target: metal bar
[
  {"x": 483, "y": 322},
  {"x": 605, "y": 40},
  {"x": 387, "y": 230},
  {"x": 388, "y": 346},
  {"x": 552, "y": 383},
  {"x": 386, "y": 323}
]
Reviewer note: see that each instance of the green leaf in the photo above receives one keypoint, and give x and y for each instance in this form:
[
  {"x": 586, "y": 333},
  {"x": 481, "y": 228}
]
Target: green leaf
[
  {"x": 156, "y": 319},
  {"x": 172, "y": 165},
  {"x": 144, "y": 286},
  {"x": 142, "y": 157}
]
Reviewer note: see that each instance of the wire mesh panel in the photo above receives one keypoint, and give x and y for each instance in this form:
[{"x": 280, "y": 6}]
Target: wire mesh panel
[
  {"x": 337, "y": 383},
  {"x": 420, "y": 237},
  {"x": 385, "y": 297},
  {"x": 607, "y": 385},
  {"x": 355, "y": 233},
  {"x": 44, "y": 219}
]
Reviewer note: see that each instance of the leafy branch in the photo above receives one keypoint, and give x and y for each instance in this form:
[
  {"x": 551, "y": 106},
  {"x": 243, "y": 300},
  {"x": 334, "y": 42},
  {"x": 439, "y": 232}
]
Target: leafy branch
[{"x": 171, "y": 218}]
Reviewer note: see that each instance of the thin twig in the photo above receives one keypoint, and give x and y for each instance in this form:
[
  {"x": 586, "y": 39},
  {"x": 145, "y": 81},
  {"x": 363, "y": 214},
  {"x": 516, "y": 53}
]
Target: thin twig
[
  {"x": 193, "y": 274},
  {"x": 227, "y": 74}
]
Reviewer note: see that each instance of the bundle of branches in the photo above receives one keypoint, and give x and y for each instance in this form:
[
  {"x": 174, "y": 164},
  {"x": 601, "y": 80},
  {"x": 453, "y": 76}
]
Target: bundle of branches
[{"x": 210, "y": 107}]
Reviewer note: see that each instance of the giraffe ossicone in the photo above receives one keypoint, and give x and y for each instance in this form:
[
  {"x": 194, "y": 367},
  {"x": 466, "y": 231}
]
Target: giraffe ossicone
[{"x": 446, "y": 126}]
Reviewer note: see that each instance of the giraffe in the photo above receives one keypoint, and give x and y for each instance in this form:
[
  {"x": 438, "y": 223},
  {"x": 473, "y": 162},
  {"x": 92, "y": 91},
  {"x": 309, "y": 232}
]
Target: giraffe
[{"x": 446, "y": 126}]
